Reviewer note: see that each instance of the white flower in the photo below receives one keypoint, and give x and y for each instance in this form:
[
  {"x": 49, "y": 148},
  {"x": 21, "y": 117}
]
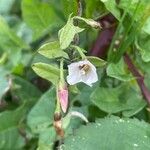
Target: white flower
[{"x": 82, "y": 71}]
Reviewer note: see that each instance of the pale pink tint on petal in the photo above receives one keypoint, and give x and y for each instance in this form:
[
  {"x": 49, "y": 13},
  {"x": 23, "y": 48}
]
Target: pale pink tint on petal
[
  {"x": 77, "y": 75},
  {"x": 63, "y": 97}
]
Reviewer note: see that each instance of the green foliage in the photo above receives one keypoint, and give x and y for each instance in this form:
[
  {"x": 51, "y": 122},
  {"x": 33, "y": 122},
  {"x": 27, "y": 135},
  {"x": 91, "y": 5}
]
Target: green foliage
[
  {"x": 40, "y": 16},
  {"x": 52, "y": 50},
  {"x": 39, "y": 39},
  {"x": 47, "y": 71},
  {"x": 40, "y": 119},
  {"x": 143, "y": 46},
  {"x": 10, "y": 126},
  {"x": 68, "y": 9},
  {"x": 125, "y": 99},
  {"x": 24, "y": 90},
  {"x": 41, "y": 115},
  {"x": 46, "y": 139},
  {"x": 4, "y": 83},
  {"x": 132, "y": 29},
  {"x": 94, "y": 8},
  {"x": 4, "y": 7},
  {"x": 119, "y": 71},
  {"x": 96, "y": 61},
  {"x": 67, "y": 33},
  {"x": 8, "y": 39},
  {"x": 112, "y": 7},
  {"x": 105, "y": 132}
]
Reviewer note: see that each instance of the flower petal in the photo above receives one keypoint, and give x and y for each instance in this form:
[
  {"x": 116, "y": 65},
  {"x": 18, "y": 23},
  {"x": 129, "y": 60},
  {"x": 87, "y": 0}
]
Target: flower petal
[
  {"x": 76, "y": 74},
  {"x": 74, "y": 78},
  {"x": 90, "y": 78}
]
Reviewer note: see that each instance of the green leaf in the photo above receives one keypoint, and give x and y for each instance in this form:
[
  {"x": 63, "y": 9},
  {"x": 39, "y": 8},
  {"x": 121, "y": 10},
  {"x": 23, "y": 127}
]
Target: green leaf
[
  {"x": 83, "y": 94},
  {"x": 131, "y": 6},
  {"x": 25, "y": 32},
  {"x": 111, "y": 133},
  {"x": 52, "y": 50},
  {"x": 13, "y": 117},
  {"x": 96, "y": 61},
  {"x": 69, "y": 6},
  {"x": 143, "y": 66},
  {"x": 46, "y": 71},
  {"x": 132, "y": 29},
  {"x": 4, "y": 85},
  {"x": 10, "y": 138},
  {"x": 147, "y": 77},
  {"x": 40, "y": 120},
  {"x": 135, "y": 109},
  {"x": 111, "y": 6},
  {"x": 123, "y": 98},
  {"x": 3, "y": 58},
  {"x": 40, "y": 16},
  {"x": 5, "y": 6},
  {"x": 67, "y": 33},
  {"x": 93, "y": 8},
  {"x": 8, "y": 39},
  {"x": 9, "y": 129},
  {"x": 146, "y": 27},
  {"x": 24, "y": 90},
  {"x": 142, "y": 44},
  {"x": 107, "y": 102},
  {"x": 46, "y": 139},
  {"x": 143, "y": 5},
  {"x": 40, "y": 117},
  {"x": 119, "y": 71},
  {"x": 4, "y": 82}
]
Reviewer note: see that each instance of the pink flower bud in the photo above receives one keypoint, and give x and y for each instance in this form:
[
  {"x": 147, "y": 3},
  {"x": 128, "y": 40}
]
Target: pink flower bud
[{"x": 63, "y": 96}]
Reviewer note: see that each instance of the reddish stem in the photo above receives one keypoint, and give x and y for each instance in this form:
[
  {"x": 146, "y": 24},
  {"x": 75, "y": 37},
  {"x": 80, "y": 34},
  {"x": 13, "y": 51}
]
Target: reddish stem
[
  {"x": 139, "y": 78},
  {"x": 104, "y": 38},
  {"x": 102, "y": 44}
]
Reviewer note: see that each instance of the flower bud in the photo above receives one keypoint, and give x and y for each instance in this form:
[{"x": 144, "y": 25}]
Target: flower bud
[
  {"x": 93, "y": 23},
  {"x": 63, "y": 96}
]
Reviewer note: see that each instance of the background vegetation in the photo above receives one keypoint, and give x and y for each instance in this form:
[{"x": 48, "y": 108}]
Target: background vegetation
[{"x": 117, "y": 106}]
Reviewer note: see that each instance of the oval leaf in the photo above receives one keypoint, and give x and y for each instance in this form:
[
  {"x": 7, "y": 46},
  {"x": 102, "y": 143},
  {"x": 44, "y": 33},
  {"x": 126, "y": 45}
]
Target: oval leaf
[
  {"x": 111, "y": 133},
  {"x": 40, "y": 16},
  {"x": 113, "y": 100},
  {"x": 52, "y": 50},
  {"x": 41, "y": 115},
  {"x": 47, "y": 72}
]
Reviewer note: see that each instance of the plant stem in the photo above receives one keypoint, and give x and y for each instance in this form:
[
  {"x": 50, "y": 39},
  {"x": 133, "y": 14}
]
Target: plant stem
[
  {"x": 139, "y": 78},
  {"x": 79, "y": 10},
  {"x": 61, "y": 69},
  {"x": 57, "y": 110},
  {"x": 83, "y": 56}
]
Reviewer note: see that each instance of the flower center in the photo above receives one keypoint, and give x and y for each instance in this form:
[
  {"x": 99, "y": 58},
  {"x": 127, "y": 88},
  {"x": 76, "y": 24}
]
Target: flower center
[{"x": 84, "y": 68}]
